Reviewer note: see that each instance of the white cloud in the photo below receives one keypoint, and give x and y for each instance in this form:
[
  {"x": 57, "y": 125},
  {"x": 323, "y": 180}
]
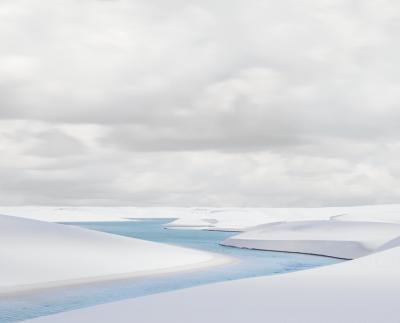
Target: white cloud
[{"x": 189, "y": 103}]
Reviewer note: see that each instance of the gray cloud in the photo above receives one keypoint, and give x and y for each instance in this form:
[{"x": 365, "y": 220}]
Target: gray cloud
[
  {"x": 54, "y": 143},
  {"x": 189, "y": 103}
]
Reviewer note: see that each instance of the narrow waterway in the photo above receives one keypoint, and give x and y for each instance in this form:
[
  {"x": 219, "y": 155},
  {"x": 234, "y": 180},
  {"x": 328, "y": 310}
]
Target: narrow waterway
[{"x": 251, "y": 263}]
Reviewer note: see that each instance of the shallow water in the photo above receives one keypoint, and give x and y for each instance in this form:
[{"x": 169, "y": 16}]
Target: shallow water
[{"x": 251, "y": 263}]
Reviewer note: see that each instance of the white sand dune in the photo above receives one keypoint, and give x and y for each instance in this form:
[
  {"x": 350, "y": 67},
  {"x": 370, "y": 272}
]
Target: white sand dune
[
  {"x": 235, "y": 219},
  {"x": 342, "y": 239},
  {"x": 376, "y": 213},
  {"x": 89, "y": 214},
  {"x": 365, "y": 290},
  {"x": 242, "y": 219},
  {"x": 35, "y": 254}
]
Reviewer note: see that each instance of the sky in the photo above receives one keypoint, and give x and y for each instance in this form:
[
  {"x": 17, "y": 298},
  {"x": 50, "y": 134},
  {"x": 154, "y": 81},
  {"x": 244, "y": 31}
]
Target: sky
[{"x": 199, "y": 103}]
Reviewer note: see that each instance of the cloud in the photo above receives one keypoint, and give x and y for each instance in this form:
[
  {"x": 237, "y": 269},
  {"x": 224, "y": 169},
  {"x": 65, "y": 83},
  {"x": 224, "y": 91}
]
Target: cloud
[
  {"x": 54, "y": 143},
  {"x": 221, "y": 103}
]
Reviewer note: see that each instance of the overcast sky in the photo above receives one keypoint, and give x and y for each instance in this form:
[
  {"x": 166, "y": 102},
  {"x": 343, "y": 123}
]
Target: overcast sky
[{"x": 189, "y": 103}]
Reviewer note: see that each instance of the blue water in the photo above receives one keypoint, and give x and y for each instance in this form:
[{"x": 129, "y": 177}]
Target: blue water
[{"x": 251, "y": 263}]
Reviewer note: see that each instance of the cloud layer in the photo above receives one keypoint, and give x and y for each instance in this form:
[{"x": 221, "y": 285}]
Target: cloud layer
[{"x": 225, "y": 103}]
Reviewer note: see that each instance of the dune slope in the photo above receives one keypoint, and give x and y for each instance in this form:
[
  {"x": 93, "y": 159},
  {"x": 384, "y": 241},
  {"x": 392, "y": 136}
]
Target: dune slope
[
  {"x": 365, "y": 290},
  {"x": 342, "y": 239},
  {"x": 35, "y": 254}
]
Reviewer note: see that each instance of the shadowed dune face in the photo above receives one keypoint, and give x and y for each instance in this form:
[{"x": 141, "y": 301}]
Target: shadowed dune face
[{"x": 341, "y": 239}]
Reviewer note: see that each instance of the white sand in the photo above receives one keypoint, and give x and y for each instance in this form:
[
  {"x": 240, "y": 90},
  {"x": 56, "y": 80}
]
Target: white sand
[
  {"x": 237, "y": 219},
  {"x": 241, "y": 219},
  {"x": 342, "y": 239},
  {"x": 89, "y": 214},
  {"x": 376, "y": 213},
  {"x": 365, "y": 290},
  {"x": 35, "y": 254}
]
